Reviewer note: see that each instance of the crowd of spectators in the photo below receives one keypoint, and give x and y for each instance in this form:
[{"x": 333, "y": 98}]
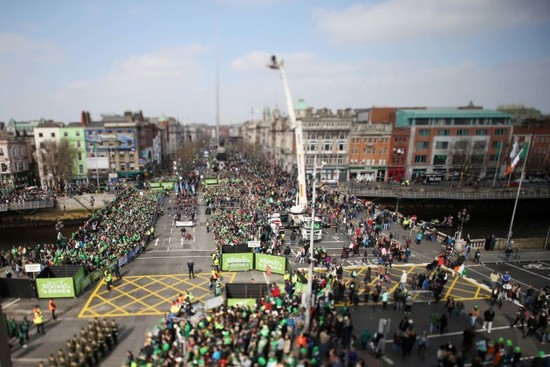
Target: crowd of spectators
[
  {"x": 271, "y": 332},
  {"x": 107, "y": 235},
  {"x": 25, "y": 195}
]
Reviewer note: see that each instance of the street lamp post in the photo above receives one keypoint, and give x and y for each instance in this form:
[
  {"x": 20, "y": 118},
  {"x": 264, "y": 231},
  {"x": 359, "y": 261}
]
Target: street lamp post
[
  {"x": 464, "y": 217},
  {"x": 309, "y": 291}
]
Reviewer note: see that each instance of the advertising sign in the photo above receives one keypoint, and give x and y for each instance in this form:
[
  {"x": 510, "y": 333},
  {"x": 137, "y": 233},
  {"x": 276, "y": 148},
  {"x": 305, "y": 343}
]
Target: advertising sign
[
  {"x": 102, "y": 139},
  {"x": 237, "y": 262},
  {"x": 241, "y": 302},
  {"x": 277, "y": 264},
  {"x": 55, "y": 287}
]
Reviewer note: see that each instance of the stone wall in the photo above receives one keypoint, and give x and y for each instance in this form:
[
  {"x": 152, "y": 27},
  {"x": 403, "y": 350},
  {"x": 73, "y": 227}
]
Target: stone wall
[{"x": 82, "y": 202}]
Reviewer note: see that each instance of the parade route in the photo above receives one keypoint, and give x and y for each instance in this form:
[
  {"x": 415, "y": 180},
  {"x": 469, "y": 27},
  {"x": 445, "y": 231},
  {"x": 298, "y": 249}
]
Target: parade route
[{"x": 144, "y": 295}]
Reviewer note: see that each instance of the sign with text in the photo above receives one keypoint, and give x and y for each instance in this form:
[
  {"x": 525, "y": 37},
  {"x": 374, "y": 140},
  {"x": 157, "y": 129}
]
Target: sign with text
[
  {"x": 237, "y": 262},
  {"x": 254, "y": 243},
  {"x": 277, "y": 264},
  {"x": 251, "y": 302},
  {"x": 55, "y": 287},
  {"x": 33, "y": 268}
]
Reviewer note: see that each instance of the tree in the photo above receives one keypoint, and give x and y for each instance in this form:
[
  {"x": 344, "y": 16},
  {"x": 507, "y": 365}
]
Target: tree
[
  {"x": 57, "y": 159},
  {"x": 468, "y": 157}
]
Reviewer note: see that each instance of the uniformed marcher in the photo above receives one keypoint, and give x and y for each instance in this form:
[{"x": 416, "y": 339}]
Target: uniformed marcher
[
  {"x": 52, "y": 362},
  {"x": 114, "y": 331}
]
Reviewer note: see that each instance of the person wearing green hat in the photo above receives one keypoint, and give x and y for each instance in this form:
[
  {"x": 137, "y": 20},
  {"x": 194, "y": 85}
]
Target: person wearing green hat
[
  {"x": 516, "y": 356},
  {"x": 539, "y": 360}
]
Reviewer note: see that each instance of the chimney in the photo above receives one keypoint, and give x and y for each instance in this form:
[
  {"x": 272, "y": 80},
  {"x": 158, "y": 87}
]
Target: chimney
[{"x": 83, "y": 117}]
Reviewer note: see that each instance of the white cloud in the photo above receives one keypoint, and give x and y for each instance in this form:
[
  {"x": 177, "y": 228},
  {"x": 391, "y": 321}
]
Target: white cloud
[
  {"x": 17, "y": 47},
  {"x": 366, "y": 83},
  {"x": 166, "y": 81},
  {"x": 401, "y": 20}
]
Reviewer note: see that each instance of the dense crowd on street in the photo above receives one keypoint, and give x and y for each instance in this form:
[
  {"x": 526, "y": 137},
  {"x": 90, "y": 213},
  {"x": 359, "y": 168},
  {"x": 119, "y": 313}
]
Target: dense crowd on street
[
  {"x": 109, "y": 234},
  {"x": 23, "y": 195},
  {"x": 269, "y": 333}
]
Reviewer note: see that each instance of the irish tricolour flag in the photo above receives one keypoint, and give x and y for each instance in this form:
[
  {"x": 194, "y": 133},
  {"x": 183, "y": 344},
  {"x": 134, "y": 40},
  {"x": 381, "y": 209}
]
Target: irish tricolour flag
[{"x": 521, "y": 154}]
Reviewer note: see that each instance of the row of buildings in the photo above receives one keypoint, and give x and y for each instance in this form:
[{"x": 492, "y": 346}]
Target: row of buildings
[
  {"x": 117, "y": 146},
  {"x": 395, "y": 143},
  {"x": 380, "y": 144}
]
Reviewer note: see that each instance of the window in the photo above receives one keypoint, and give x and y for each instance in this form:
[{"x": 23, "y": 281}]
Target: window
[
  {"x": 478, "y": 145},
  {"x": 65, "y": 133},
  {"x": 482, "y": 132},
  {"x": 463, "y": 132},
  {"x": 424, "y": 132},
  {"x": 493, "y": 157},
  {"x": 52, "y": 135},
  {"x": 40, "y": 135},
  {"x": 420, "y": 159},
  {"x": 422, "y": 122},
  {"x": 496, "y": 144},
  {"x": 422, "y": 145},
  {"x": 500, "y": 132},
  {"x": 478, "y": 158},
  {"x": 77, "y": 133},
  {"x": 443, "y": 132},
  {"x": 341, "y": 146},
  {"x": 440, "y": 159},
  {"x": 442, "y": 145},
  {"x": 79, "y": 156},
  {"x": 312, "y": 147},
  {"x": 1, "y": 152},
  {"x": 78, "y": 144},
  {"x": 80, "y": 169},
  {"x": 327, "y": 147}
]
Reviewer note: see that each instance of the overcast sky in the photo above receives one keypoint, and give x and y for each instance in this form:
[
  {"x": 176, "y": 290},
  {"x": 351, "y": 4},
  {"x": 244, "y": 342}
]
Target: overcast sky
[{"x": 60, "y": 57}]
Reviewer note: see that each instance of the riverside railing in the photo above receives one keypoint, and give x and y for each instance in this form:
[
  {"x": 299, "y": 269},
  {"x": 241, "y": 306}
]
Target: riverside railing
[
  {"x": 27, "y": 205},
  {"x": 448, "y": 194}
]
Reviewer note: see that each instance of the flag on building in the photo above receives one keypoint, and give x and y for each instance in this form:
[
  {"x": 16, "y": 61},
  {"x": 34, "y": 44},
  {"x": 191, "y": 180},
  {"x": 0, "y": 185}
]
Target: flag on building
[{"x": 520, "y": 155}]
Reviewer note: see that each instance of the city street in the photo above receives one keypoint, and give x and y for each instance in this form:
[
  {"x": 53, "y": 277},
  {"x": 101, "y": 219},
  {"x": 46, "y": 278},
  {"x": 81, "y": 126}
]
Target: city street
[{"x": 151, "y": 281}]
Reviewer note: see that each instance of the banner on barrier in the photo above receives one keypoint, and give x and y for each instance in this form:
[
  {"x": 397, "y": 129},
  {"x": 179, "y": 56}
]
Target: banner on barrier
[
  {"x": 55, "y": 287},
  {"x": 78, "y": 281},
  {"x": 131, "y": 254},
  {"x": 237, "y": 262},
  {"x": 123, "y": 260},
  {"x": 251, "y": 302},
  {"x": 277, "y": 264}
]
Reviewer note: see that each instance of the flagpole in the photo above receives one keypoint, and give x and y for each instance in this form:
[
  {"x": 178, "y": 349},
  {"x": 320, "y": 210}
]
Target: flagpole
[
  {"x": 498, "y": 164},
  {"x": 508, "y": 244}
]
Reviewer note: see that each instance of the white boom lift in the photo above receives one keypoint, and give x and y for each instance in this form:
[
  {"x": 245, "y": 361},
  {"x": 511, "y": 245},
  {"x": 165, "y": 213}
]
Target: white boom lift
[{"x": 300, "y": 206}]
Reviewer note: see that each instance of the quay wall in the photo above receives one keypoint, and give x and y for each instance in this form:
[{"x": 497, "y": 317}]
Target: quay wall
[{"x": 80, "y": 202}]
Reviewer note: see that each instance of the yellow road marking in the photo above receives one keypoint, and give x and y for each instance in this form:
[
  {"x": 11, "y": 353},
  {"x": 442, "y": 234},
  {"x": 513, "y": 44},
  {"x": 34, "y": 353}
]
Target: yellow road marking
[
  {"x": 451, "y": 287},
  {"x": 87, "y": 304},
  {"x": 477, "y": 292},
  {"x": 99, "y": 298},
  {"x": 136, "y": 300}
]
